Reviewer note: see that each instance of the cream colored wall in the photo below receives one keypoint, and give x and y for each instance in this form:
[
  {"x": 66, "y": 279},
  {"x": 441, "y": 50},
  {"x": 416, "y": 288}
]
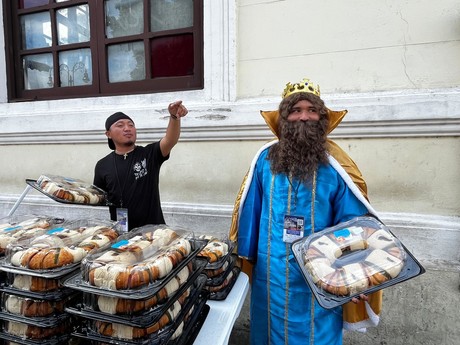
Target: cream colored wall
[
  {"x": 416, "y": 175},
  {"x": 356, "y": 50},
  {"x": 348, "y": 46}
]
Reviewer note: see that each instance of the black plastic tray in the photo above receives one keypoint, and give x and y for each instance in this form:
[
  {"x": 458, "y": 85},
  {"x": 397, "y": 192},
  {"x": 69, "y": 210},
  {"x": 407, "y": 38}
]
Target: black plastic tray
[
  {"x": 45, "y": 322},
  {"x": 54, "y": 339},
  {"x": 195, "y": 322},
  {"x": 193, "y": 327},
  {"x": 223, "y": 293},
  {"x": 219, "y": 263},
  {"x": 55, "y": 273},
  {"x": 60, "y": 340},
  {"x": 411, "y": 269},
  {"x": 220, "y": 278},
  {"x": 61, "y": 292},
  {"x": 161, "y": 337},
  {"x": 196, "y": 280},
  {"x": 48, "y": 296}
]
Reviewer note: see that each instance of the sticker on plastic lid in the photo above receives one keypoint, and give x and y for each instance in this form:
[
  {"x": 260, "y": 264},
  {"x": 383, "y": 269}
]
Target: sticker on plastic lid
[
  {"x": 120, "y": 243},
  {"x": 52, "y": 231},
  {"x": 13, "y": 228},
  {"x": 342, "y": 234},
  {"x": 356, "y": 229}
]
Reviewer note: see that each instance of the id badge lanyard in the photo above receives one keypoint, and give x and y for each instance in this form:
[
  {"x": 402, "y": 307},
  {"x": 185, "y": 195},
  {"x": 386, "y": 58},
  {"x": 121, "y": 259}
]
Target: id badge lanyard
[
  {"x": 294, "y": 226},
  {"x": 122, "y": 213}
]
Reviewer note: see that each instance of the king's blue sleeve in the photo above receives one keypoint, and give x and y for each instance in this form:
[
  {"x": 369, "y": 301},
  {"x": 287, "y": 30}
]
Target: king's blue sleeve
[
  {"x": 249, "y": 221},
  {"x": 346, "y": 204}
]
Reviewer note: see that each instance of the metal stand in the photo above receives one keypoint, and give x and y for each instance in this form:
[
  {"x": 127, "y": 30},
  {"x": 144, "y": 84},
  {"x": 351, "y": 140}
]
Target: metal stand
[{"x": 18, "y": 202}]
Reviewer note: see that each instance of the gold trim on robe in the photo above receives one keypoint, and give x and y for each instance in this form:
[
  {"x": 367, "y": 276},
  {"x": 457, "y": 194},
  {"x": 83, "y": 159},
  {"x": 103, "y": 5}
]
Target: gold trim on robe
[{"x": 355, "y": 316}]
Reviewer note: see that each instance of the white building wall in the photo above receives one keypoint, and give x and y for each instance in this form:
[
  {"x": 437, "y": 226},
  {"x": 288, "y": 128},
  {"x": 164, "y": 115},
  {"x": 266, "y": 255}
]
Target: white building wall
[
  {"x": 348, "y": 46},
  {"x": 393, "y": 65}
]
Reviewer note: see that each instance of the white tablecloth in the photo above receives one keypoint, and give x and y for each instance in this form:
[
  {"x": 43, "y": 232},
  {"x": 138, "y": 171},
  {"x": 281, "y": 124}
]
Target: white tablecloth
[{"x": 222, "y": 315}]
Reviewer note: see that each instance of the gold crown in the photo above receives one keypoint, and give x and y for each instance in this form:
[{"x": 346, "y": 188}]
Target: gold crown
[{"x": 305, "y": 85}]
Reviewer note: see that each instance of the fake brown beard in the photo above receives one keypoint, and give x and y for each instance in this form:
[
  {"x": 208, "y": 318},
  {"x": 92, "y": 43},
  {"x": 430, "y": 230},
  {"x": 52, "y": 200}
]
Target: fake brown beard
[{"x": 301, "y": 148}]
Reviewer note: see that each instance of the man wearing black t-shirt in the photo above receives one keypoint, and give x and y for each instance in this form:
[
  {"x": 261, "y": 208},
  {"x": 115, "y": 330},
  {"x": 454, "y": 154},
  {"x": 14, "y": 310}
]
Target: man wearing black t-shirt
[{"x": 130, "y": 174}]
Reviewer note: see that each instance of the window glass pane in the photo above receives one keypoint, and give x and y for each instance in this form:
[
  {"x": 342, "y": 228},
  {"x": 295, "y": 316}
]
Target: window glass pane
[
  {"x": 124, "y": 18},
  {"x": 171, "y": 14},
  {"x": 75, "y": 67},
  {"x": 126, "y": 62},
  {"x": 36, "y": 30},
  {"x": 37, "y": 71},
  {"x": 73, "y": 24},
  {"x": 172, "y": 56},
  {"x": 32, "y": 3}
]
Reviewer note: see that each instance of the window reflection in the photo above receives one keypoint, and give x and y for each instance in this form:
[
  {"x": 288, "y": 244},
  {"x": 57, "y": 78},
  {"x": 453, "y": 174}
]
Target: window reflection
[
  {"x": 172, "y": 56},
  {"x": 124, "y": 17},
  {"x": 37, "y": 70},
  {"x": 32, "y": 3},
  {"x": 75, "y": 68},
  {"x": 171, "y": 14},
  {"x": 126, "y": 62},
  {"x": 36, "y": 30},
  {"x": 148, "y": 43},
  {"x": 73, "y": 25}
]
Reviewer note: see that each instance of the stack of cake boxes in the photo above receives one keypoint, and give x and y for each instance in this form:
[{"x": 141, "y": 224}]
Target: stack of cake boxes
[
  {"x": 54, "y": 301},
  {"x": 130, "y": 296},
  {"x": 35, "y": 263},
  {"x": 221, "y": 272}
]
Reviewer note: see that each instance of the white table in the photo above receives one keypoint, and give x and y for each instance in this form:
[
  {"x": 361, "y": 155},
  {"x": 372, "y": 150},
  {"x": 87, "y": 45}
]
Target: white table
[{"x": 223, "y": 314}]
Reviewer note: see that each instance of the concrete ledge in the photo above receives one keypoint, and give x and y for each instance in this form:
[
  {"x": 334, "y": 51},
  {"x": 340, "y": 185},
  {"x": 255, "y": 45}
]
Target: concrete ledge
[{"x": 432, "y": 239}]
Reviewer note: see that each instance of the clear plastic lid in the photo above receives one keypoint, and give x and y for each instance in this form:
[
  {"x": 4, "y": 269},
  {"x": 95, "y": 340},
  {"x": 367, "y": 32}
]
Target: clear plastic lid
[
  {"x": 216, "y": 251},
  {"x": 35, "y": 311},
  {"x": 60, "y": 248},
  {"x": 24, "y": 331},
  {"x": 353, "y": 257},
  {"x": 218, "y": 278},
  {"x": 69, "y": 189},
  {"x": 135, "y": 313},
  {"x": 219, "y": 293},
  {"x": 124, "y": 306},
  {"x": 24, "y": 282},
  {"x": 22, "y": 227},
  {"x": 126, "y": 332},
  {"x": 144, "y": 257}
]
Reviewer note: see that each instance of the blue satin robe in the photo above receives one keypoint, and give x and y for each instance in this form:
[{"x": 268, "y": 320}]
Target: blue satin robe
[{"x": 283, "y": 309}]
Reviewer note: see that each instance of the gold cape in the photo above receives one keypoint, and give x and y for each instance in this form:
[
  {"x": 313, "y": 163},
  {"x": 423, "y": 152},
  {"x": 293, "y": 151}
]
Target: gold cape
[{"x": 355, "y": 316}]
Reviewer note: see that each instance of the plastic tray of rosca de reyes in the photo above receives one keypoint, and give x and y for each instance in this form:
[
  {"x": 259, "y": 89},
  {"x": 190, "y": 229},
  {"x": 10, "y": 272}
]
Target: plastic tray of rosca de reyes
[
  {"x": 142, "y": 312},
  {"x": 216, "y": 251},
  {"x": 60, "y": 249},
  {"x": 352, "y": 258},
  {"x": 22, "y": 227},
  {"x": 69, "y": 190},
  {"x": 16, "y": 332},
  {"x": 168, "y": 325},
  {"x": 138, "y": 264}
]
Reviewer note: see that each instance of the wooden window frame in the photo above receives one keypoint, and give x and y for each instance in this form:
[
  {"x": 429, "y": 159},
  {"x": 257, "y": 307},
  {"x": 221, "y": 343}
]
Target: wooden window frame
[{"x": 98, "y": 45}]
